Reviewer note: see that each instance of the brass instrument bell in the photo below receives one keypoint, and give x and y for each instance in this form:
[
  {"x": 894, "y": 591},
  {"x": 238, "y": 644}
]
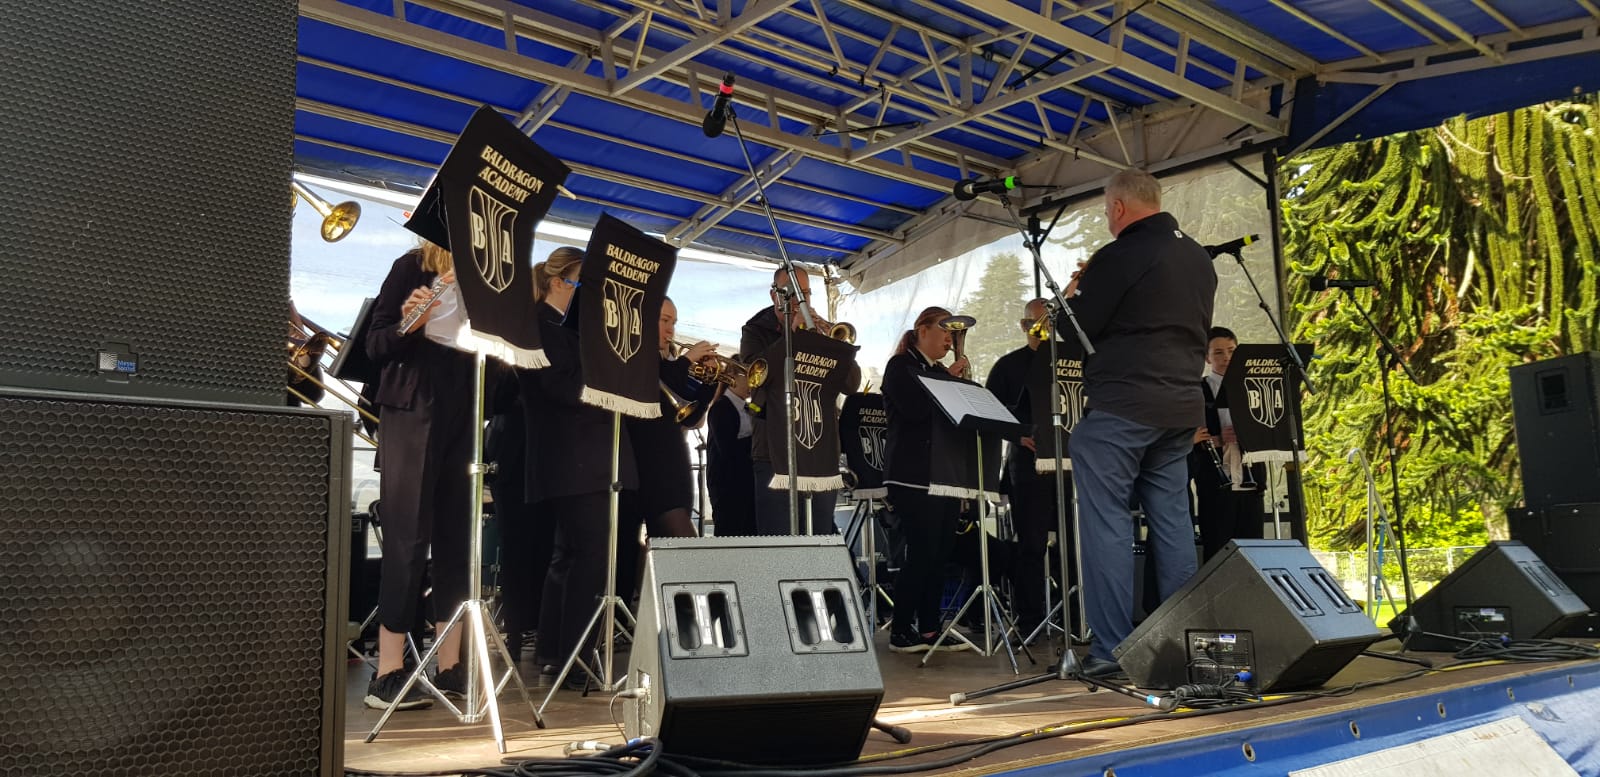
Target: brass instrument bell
[{"x": 337, "y": 220}]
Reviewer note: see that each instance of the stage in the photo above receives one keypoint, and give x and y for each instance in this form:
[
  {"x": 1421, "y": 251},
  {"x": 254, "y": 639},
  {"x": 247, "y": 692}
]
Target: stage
[{"x": 1477, "y": 713}]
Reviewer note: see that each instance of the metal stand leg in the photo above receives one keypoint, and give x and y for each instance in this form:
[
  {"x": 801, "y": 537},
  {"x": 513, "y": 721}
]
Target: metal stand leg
[
  {"x": 863, "y": 529},
  {"x": 601, "y": 673},
  {"x": 993, "y": 612},
  {"x": 480, "y": 698}
]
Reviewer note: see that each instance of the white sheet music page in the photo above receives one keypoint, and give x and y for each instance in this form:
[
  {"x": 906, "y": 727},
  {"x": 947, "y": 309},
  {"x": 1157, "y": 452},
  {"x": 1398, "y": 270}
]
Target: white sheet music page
[{"x": 959, "y": 400}]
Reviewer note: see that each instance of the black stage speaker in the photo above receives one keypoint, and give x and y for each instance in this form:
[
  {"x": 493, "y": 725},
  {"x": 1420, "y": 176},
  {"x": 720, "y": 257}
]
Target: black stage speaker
[
  {"x": 753, "y": 649},
  {"x": 1504, "y": 590},
  {"x": 1567, "y": 539},
  {"x": 171, "y": 587},
  {"x": 1262, "y": 605},
  {"x": 1556, "y": 404},
  {"x": 145, "y": 206}
]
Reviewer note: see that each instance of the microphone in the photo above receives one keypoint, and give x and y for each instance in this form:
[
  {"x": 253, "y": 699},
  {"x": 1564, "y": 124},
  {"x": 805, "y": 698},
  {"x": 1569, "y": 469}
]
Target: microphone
[
  {"x": 718, "y": 117},
  {"x": 1320, "y": 282},
  {"x": 972, "y": 187},
  {"x": 1232, "y": 246}
]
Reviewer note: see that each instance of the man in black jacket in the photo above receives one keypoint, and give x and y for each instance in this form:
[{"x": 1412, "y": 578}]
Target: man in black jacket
[{"x": 1145, "y": 301}]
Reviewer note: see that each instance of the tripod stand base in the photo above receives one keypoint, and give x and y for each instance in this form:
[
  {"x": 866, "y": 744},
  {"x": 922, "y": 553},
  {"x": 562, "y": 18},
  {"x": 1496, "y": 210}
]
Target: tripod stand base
[{"x": 599, "y": 673}]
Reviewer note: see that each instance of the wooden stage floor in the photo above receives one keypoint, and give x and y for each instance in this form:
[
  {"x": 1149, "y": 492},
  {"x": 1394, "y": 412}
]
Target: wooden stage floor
[{"x": 915, "y": 697}]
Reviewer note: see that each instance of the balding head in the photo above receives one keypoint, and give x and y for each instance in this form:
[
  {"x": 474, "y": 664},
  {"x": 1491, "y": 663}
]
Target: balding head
[
  {"x": 1130, "y": 196},
  {"x": 1030, "y": 315}
]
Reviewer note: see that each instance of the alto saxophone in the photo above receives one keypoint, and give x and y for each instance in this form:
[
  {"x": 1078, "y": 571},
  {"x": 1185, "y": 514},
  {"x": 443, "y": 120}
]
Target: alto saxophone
[{"x": 437, "y": 290}]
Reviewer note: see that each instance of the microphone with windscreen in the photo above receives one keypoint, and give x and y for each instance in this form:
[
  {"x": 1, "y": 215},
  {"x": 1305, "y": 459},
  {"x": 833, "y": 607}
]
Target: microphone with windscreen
[{"x": 717, "y": 119}]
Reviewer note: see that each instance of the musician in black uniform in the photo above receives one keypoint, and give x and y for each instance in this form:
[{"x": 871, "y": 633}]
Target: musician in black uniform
[
  {"x": 1033, "y": 496},
  {"x": 762, "y": 331},
  {"x": 569, "y": 481},
  {"x": 527, "y": 536},
  {"x": 731, "y": 479},
  {"x": 1224, "y": 509},
  {"x": 423, "y": 449},
  {"x": 928, "y": 523}
]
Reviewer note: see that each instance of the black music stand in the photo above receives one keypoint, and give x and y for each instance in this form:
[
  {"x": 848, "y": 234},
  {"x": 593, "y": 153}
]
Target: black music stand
[
  {"x": 1260, "y": 386},
  {"x": 969, "y": 407}
]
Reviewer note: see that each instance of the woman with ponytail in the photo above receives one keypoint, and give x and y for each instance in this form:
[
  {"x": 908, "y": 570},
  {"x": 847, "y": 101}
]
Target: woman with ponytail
[{"x": 928, "y": 523}]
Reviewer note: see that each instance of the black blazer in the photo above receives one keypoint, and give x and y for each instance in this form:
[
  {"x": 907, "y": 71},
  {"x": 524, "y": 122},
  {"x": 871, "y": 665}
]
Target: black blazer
[
  {"x": 727, "y": 454},
  {"x": 411, "y": 361},
  {"x": 909, "y": 441},
  {"x": 569, "y": 442}
]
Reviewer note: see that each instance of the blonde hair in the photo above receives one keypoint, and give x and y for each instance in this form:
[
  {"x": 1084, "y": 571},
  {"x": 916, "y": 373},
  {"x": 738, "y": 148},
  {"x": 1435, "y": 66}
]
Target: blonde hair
[
  {"x": 554, "y": 268},
  {"x": 435, "y": 258},
  {"x": 928, "y": 317}
]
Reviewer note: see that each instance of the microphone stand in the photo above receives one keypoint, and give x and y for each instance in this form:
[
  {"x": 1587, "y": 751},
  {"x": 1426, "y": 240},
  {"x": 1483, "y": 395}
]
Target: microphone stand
[
  {"x": 1291, "y": 396},
  {"x": 1033, "y": 237},
  {"x": 1389, "y": 356},
  {"x": 792, "y": 296}
]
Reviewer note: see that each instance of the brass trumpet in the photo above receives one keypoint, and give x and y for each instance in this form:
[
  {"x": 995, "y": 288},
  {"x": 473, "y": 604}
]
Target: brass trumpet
[
  {"x": 721, "y": 369},
  {"x": 337, "y": 220}
]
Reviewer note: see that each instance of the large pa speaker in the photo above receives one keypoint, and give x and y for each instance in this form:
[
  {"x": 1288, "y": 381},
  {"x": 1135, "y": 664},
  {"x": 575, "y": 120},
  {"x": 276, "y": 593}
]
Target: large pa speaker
[
  {"x": 171, "y": 587},
  {"x": 1556, "y": 405},
  {"x": 1504, "y": 590},
  {"x": 145, "y": 206},
  {"x": 1567, "y": 539},
  {"x": 1265, "y": 606},
  {"x": 753, "y": 649}
]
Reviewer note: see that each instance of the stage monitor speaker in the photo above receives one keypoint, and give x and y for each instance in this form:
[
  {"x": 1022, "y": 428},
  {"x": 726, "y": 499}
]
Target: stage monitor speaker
[
  {"x": 145, "y": 206},
  {"x": 1556, "y": 406},
  {"x": 1504, "y": 590},
  {"x": 753, "y": 649},
  {"x": 171, "y": 587},
  {"x": 1265, "y": 606},
  {"x": 1567, "y": 539}
]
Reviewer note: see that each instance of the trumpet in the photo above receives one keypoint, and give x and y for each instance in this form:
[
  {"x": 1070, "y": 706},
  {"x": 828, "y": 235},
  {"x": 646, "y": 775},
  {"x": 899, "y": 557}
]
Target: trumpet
[
  {"x": 337, "y": 220},
  {"x": 721, "y": 369},
  {"x": 437, "y": 290}
]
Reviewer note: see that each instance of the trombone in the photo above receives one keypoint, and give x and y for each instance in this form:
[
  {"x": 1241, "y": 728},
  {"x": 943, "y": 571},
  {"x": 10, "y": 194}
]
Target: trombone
[
  {"x": 337, "y": 220},
  {"x": 309, "y": 344}
]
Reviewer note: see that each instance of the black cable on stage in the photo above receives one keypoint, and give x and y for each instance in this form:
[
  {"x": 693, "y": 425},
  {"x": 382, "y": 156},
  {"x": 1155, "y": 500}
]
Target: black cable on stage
[{"x": 1527, "y": 650}]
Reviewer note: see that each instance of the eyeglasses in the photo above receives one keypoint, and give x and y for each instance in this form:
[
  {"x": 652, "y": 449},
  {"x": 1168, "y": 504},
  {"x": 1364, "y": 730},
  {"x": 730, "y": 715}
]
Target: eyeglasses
[{"x": 570, "y": 282}]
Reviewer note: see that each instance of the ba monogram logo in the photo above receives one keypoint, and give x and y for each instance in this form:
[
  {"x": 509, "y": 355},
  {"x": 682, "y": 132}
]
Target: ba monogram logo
[
  {"x": 492, "y": 249},
  {"x": 808, "y": 422},
  {"x": 872, "y": 444},
  {"x": 1266, "y": 400},
  {"x": 1072, "y": 402},
  {"x": 623, "y": 316}
]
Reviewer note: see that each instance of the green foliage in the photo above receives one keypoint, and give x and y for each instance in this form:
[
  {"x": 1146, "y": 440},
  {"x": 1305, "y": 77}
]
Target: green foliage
[
  {"x": 1482, "y": 237},
  {"x": 997, "y": 304}
]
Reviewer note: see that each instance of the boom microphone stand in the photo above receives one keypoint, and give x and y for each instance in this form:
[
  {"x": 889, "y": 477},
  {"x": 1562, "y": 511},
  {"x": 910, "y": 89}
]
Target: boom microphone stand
[
  {"x": 481, "y": 685},
  {"x": 789, "y": 299}
]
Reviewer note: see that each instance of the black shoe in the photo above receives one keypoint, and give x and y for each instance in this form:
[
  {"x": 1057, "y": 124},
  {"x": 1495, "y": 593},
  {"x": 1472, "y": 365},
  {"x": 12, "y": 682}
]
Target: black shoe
[
  {"x": 1101, "y": 669},
  {"x": 452, "y": 681},
  {"x": 956, "y": 641},
  {"x": 908, "y": 642},
  {"x": 381, "y": 692}
]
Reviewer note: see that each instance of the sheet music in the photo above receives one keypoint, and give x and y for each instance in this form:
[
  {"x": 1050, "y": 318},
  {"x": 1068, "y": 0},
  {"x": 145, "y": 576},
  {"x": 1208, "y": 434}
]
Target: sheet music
[{"x": 959, "y": 400}]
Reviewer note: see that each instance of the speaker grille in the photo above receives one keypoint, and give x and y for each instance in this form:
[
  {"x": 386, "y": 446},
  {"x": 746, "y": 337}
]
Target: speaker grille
[
  {"x": 144, "y": 206},
  {"x": 164, "y": 579}
]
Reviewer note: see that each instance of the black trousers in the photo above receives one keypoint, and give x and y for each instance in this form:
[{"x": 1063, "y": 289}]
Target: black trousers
[
  {"x": 772, "y": 506},
  {"x": 1222, "y": 513},
  {"x": 928, "y": 524},
  {"x": 577, "y": 576},
  {"x": 424, "y": 487},
  {"x": 527, "y": 540},
  {"x": 1033, "y": 516}
]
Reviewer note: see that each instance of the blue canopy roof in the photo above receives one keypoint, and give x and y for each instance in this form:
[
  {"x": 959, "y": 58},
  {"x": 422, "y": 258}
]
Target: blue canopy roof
[{"x": 859, "y": 115}]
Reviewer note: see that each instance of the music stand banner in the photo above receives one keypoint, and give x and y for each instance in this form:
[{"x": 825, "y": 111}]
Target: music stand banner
[
  {"x": 821, "y": 366},
  {"x": 1069, "y": 377},
  {"x": 623, "y": 283},
  {"x": 862, "y": 426},
  {"x": 490, "y": 193},
  {"x": 1256, "y": 392}
]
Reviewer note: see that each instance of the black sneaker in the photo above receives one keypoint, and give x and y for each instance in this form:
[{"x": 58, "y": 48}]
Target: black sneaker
[
  {"x": 452, "y": 681},
  {"x": 381, "y": 692},
  {"x": 956, "y": 641},
  {"x": 908, "y": 642}
]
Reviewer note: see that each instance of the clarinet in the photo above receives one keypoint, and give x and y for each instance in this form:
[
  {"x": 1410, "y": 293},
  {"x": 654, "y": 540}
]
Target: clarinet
[
  {"x": 1223, "y": 479},
  {"x": 437, "y": 290}
]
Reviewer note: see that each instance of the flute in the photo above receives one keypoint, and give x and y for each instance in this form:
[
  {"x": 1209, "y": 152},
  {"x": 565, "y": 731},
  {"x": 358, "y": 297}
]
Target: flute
[{"x": 437, "y": 290}]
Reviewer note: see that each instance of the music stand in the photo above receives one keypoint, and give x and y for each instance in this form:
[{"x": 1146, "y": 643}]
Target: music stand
[
  {"x": 970, "y": 407},
  {"x": 1260, "y": 386}
]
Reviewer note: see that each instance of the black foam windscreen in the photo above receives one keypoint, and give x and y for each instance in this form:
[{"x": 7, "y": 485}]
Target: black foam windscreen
[
  {"x": 171, "y": 587},
  {"x": 1262, "y": 606},
  {"x": 1504, "y": 590},
  {"x": 753, "y": 649},
  {"x": 1556, "y": 406},
  {"x": 144, "y": 208}
]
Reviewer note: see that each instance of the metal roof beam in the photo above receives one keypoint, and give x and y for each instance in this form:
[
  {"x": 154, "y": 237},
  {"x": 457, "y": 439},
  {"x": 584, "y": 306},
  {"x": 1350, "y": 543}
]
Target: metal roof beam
[
  {"x": 754, "y": 13},
  {"x": 1240, "y": 39},
  {"x": 1587, "y": 41},
  {"x": 733, "y": 198},
  {"x": 1065, "y": 36},
  {"x": 1452, "y": 28}
]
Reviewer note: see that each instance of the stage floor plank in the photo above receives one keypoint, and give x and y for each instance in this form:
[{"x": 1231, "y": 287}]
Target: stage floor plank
[{"x": 915, "y": 697}]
